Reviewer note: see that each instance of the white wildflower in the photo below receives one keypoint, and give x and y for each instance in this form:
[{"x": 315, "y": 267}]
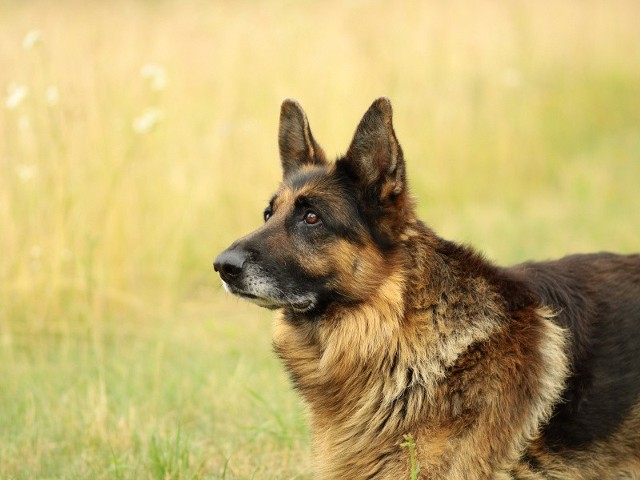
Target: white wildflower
[
  {"x": 31, "y": 39},
  {"x": 52, "y": 95},
  {"x": 145, "y": 122},
  {"x": 15, "y": 95},
  {"x": 156, "y": 75},
  {"x": 26, "y": 172}
]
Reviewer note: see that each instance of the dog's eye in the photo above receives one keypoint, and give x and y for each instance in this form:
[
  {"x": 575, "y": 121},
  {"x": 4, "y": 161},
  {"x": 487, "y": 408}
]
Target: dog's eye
[
  {"x": 267, "y": 214},
  {"x": 311, "y": 218}
]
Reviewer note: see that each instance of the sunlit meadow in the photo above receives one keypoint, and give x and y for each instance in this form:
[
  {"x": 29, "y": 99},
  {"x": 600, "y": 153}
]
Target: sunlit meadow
[{"x": 138, "y": 139}]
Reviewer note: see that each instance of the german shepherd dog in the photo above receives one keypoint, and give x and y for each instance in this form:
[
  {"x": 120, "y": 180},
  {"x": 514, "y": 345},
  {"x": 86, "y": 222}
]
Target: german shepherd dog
[{"x": 386, "y": 329}]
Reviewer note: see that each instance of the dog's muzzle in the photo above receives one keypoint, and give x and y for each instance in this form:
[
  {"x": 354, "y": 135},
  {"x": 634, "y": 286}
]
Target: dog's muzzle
[{"x": 242, "y": 276}]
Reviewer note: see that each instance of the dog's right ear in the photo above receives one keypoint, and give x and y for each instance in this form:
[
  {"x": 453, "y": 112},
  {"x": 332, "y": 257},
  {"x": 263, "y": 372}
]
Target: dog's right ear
[{"x": 297, "y": 146}]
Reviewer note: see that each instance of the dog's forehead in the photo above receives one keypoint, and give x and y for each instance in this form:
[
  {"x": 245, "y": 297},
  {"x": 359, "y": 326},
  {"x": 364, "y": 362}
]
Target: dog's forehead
[
  {"x": 304, "y": 182},
  {"x": 308, "y": 177}
]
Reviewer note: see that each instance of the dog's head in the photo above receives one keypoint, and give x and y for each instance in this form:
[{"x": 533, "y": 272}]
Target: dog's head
[{"x": 331, "y": 228}]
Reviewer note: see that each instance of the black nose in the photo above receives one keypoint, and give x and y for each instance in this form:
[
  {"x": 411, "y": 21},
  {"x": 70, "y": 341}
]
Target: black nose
[{"x": 229, "y": 264}]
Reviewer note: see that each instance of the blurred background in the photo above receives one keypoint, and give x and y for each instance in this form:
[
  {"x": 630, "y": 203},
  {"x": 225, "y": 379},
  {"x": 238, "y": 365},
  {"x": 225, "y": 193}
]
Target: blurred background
[{"x": 139, "y": 138}]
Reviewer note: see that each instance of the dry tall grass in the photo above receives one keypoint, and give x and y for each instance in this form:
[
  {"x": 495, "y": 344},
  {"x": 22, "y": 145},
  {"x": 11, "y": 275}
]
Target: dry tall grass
[{"x": 119, "y": 183}]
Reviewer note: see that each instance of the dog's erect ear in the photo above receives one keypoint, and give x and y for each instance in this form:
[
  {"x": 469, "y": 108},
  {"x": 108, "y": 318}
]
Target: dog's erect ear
[
  {"x": 375, "y": 163},
  {"x": 297, "y": 146},
  {"x": 375, "y": 156}
]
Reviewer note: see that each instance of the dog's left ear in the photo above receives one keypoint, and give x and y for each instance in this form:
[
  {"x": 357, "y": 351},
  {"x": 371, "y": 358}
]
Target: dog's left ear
[
  {"x": 375, "y": 163},
  {"x": 375, "y": 155},
  {"x": 297, "y": 146}
]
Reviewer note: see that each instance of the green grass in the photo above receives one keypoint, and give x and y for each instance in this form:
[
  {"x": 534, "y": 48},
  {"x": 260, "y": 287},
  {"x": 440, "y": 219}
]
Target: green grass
[
  {"x": 410, "y": 445},
  {"x": 120, "y": 356}
]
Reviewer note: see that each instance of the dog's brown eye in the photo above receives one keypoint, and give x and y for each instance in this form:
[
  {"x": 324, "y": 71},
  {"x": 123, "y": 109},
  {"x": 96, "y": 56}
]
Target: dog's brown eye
[
  {"x": 267, "y": 215},
  {"x": 311, "y": 218}
]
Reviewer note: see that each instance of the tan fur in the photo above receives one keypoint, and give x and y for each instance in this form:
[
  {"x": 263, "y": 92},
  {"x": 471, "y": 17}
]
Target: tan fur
[{"x": 351, "y": 369}]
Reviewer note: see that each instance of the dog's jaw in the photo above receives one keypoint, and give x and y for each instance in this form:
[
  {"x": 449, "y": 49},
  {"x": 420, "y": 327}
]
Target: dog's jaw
[{"x": 299, "y": 304}]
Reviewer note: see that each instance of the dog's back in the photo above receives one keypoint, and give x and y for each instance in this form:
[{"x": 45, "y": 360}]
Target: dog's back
[{"x": 596, "y": 298}]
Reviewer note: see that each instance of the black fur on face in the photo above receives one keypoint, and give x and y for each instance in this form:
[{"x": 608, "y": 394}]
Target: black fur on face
[
  {"x": 334, "y": 198},
  {"x": 304, "y": 256}
]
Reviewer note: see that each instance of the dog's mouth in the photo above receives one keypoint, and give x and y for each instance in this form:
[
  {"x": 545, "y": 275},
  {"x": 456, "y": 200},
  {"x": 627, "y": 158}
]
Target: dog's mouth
[
  {"x": 299, "y": 305},
  {"x": 245, "y": 295},
  {"x": 260, "y": 301},
  {"x": 303, "y": 306}
]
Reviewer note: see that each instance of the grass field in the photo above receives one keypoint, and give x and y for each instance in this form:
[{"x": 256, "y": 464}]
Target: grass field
[{"x": 138, "y": 139}]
